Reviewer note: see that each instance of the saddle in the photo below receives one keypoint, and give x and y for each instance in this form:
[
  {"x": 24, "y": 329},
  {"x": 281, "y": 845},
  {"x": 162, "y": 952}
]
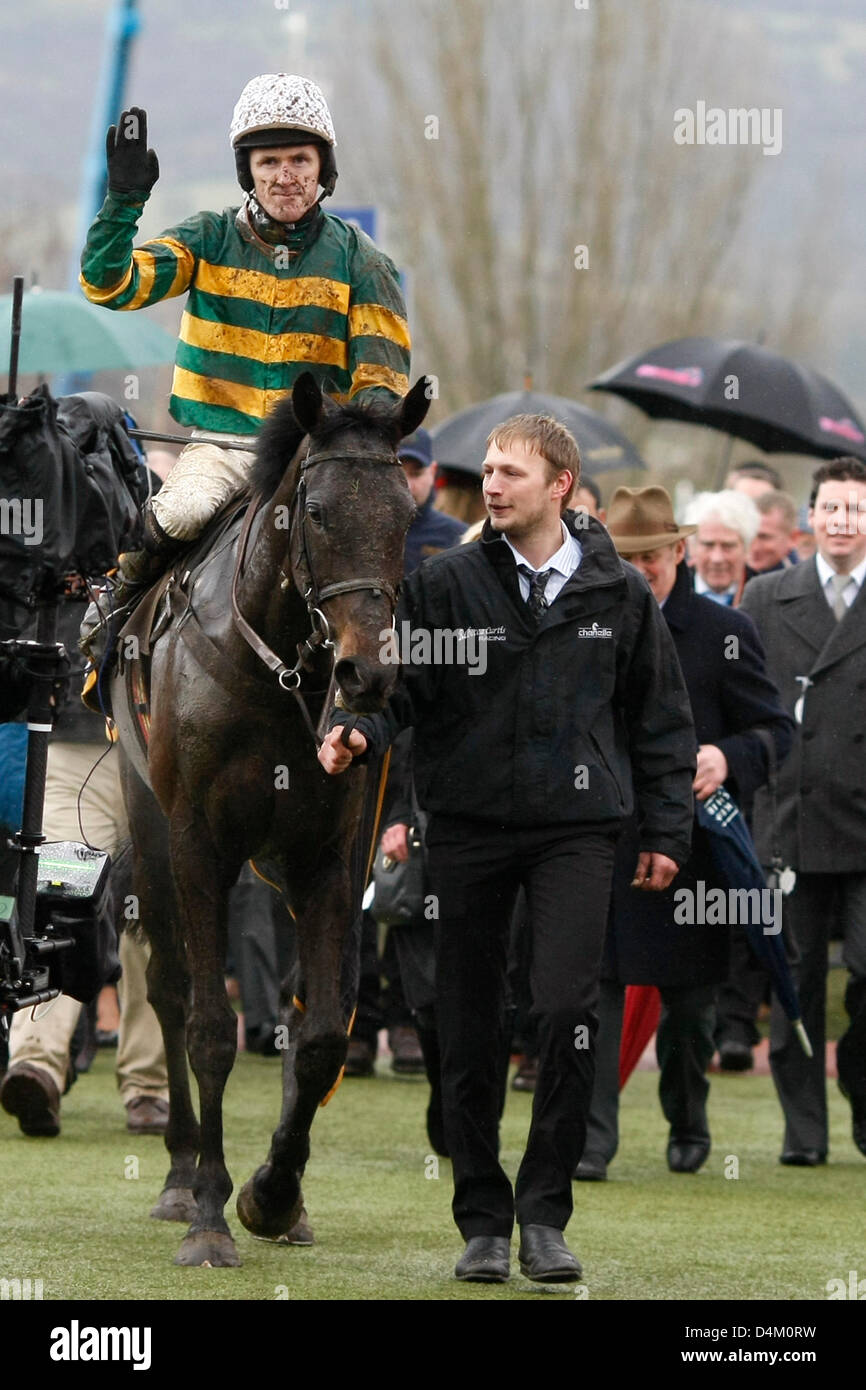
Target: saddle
[{"x": 135, "y": 628}]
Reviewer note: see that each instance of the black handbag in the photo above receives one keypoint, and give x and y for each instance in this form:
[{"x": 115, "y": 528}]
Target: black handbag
[{"x": 400, "y": 885}]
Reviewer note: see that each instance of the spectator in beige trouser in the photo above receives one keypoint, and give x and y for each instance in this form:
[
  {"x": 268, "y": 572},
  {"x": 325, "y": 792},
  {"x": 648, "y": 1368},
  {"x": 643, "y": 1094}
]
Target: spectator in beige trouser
[{"x": 39, "y": 1049}]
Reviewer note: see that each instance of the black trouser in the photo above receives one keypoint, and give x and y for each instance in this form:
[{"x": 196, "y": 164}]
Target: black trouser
[
  {"x": 261, "y": 944},
  {"x": 741, "y": 996},
  {"x": 475, "y": 873},
  {"x": 396, "y": 1012},
  {"x": 519, "y": 955},
  {"x": 817, "y": 903},
  {"x": 684, "y": 1047},
  {"x": 368, "y": 1016},
  {"x": 378, "y": 1007}
]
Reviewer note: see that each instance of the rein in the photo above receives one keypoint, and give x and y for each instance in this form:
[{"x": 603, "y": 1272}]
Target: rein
[{"x": 289, "y": 678}]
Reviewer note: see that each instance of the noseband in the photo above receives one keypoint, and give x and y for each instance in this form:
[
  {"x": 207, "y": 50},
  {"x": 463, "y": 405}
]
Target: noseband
[{"x": 314, "y": 594}]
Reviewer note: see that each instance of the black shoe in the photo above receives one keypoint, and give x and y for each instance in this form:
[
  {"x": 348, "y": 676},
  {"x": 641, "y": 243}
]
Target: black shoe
[
  {"x": 545, "y": 1258},
  {"x": 591, "y": 1168},
  {"x": 406, "y": 1056},
  {"x": 687, "y": 1156},
  {"x": 736, "y": 1056},
  {"x": 802, "y": 1158},
  {"x": 484, "y": 1261},
  {"x": 29, "y": 1094}
]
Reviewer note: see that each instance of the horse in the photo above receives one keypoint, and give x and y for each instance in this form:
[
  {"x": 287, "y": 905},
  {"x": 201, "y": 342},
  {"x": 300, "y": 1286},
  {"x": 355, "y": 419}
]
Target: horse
[{"x": 232, "y": 775}]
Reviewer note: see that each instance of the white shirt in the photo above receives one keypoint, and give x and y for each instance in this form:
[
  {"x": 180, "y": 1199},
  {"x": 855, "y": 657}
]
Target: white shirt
[
  {"x": 825, "y": 576},
  {"x": 561, "y": 565}
]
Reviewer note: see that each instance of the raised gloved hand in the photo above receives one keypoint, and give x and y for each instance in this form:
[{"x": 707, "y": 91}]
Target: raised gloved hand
[{"x": 132, "y": 167}]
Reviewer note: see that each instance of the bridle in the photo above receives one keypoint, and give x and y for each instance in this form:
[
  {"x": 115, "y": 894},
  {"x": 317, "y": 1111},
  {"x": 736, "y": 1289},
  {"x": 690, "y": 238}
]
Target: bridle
[{"x": 314, "y": 594}]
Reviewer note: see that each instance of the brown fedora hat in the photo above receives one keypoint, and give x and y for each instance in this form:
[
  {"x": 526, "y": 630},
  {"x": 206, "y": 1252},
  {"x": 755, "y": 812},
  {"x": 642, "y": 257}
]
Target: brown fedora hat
[{"x": 642, "y": 518}]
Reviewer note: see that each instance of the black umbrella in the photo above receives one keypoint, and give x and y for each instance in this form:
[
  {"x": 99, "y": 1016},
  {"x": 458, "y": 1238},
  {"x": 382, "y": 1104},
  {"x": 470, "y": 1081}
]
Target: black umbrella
[
  {"x": 461, "y": 441},
  {"x": 736, "y": 863},
  {"x": 743, "y": 389}
]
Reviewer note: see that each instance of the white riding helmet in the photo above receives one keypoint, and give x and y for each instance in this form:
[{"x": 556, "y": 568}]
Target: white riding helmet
[{"x": 280, "y": 108}]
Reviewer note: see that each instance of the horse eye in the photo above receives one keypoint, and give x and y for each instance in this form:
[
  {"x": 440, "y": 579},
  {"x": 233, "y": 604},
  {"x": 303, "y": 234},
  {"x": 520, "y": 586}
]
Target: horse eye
[{"x": 316, "y": 513}]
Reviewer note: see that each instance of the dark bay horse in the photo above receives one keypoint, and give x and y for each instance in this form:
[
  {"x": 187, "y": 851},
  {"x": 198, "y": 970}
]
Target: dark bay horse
[{"x": 234, "y": 775}]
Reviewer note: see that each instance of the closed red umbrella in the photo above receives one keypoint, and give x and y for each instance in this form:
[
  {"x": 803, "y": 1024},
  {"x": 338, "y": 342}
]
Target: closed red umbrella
[{"x": 640, "y": 1019}]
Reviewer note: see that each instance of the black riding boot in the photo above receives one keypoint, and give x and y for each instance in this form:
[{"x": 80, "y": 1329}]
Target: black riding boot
[{"x": 137, "y": 571}]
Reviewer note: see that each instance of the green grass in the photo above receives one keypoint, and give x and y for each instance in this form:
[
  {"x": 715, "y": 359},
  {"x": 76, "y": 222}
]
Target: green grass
[{"x": 69, "y": 1215}]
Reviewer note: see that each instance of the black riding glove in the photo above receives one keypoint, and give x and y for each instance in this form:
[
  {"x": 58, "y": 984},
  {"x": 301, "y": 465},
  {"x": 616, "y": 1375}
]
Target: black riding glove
[{"x": 132, "y": 167}]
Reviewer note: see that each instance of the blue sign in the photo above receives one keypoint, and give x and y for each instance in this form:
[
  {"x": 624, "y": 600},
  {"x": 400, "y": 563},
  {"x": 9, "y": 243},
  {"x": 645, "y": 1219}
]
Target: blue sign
[{"x": 365, "y": 218}]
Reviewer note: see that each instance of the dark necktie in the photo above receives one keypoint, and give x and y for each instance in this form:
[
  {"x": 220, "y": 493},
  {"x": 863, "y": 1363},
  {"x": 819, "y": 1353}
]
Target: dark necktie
[{"x": 536, "y": 603}]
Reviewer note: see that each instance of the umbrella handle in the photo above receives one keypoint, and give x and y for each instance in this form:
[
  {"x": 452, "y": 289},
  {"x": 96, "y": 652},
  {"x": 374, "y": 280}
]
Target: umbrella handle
[
  {"x": 17, "y": 298},
  {"x": 797, "y": 1025}
]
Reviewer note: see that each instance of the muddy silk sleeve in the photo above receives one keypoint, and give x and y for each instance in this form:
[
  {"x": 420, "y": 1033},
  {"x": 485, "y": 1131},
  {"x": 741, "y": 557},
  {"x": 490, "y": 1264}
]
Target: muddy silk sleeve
[
  {"x": 417, "y": 685},
  {"x": 378, "y": 334},
  {"x": 661, "y": 734},
  {"x": 117, "y": 276}
]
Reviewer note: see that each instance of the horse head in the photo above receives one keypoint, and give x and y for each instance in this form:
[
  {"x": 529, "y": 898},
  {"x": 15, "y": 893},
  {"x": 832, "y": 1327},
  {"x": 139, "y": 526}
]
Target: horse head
[{"x": 349, "y": 513}]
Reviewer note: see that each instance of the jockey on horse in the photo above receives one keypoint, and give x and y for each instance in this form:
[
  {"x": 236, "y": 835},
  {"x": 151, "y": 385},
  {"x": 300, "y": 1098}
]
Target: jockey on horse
[{"x": 276, "y": 287}]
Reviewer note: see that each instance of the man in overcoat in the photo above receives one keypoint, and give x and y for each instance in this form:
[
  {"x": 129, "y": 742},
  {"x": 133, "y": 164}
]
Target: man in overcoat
[
  {"x": 648, "y": 943},
  {"x": 812, "y": 620}
]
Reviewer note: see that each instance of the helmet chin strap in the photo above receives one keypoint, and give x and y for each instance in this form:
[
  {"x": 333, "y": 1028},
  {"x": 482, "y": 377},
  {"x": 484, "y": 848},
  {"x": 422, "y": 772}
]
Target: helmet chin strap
[{"x": 268, "y": 226}]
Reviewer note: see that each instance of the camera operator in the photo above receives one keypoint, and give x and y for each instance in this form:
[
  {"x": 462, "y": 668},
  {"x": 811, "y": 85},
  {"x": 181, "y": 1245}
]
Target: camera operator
[{"x": 39, "y": 1065}]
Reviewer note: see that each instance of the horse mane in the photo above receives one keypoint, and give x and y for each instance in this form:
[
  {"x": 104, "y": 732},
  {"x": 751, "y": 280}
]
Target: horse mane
[{"x": 281, "y": 436}]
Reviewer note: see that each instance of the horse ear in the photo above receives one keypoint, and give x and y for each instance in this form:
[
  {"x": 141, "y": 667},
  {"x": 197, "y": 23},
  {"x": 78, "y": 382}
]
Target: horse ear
[
  {"x": 413, "y": 407},
  {"x": 307, "y": 402}
]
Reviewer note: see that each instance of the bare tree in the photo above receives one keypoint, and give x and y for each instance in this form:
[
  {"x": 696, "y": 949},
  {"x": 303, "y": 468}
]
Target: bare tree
[{"x": 505, "y": 135}]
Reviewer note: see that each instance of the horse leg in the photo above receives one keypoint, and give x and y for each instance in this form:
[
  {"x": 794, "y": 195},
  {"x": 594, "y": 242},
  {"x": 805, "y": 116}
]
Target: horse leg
[
  {"x": 203, "y": 877},
  {"x": 271, "y": 1201},
  {"x": 167, "y": 988}
]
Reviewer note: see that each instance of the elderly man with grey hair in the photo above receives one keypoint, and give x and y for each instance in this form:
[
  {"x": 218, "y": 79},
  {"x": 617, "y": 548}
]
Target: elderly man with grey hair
[{"x": 727, "y": 523}]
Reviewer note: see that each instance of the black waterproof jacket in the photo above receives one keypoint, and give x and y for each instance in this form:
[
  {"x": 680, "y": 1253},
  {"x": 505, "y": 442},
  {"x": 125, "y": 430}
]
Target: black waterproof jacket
[{"x": 563, "y": 722}]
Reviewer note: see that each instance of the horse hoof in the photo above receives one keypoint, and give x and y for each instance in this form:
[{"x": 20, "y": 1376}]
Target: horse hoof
[
  {"x": 175, "y": 1204},
  {"x": 299, "y": 1234},
  {"x": 269, "y": 1226},
  {"x": 208, "y": 1249}
]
